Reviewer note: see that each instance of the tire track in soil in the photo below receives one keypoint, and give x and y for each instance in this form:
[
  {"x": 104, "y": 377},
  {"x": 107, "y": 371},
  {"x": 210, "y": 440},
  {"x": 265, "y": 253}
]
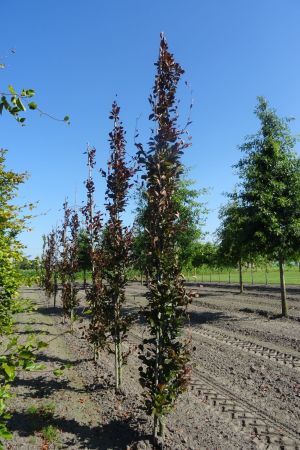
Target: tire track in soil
[
  {"x": 260, "y": 312},
  {"x": 259, "y": 350},
  {"x": 250, "y": 347},
  {"x": 267, "y": 432}
]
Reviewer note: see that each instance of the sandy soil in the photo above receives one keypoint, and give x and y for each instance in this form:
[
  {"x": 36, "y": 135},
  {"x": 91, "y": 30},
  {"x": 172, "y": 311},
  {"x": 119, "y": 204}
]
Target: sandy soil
[{"x": 245, "y": 390}]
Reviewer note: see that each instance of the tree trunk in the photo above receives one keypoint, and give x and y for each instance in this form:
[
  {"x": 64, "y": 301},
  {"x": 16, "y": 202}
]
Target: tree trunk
[
  {"x": 118, "y": 361},
  {"x": 55, "y": 289},
  {"x": 84, "y": 279},
  {"x": 282, "y": 288},
  {"x": 157, "y": 426},
  {"x": 266, "y": 276},
  {"x": 241, "y": 277}
]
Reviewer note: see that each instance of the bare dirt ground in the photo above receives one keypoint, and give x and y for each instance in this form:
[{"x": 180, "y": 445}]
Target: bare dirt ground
[{"x": 245, "y": 390}]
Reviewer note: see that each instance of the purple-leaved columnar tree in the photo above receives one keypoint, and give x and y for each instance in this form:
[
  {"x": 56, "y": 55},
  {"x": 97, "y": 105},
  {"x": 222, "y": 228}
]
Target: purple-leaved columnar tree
[
  {"x": 97, "y": 332},
  {"x": 69, "y": 262},
  {"x": 165, "y": 372},
  {"x": 50, "y": 262},
  {"x": 117, "y": 240}
]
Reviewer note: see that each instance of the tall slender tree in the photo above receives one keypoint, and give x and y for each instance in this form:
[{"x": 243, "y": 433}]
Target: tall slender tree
[
  {"x": 270, "y": 190},
  {"x": 97, "y": 332},
  {"x": 117, "y": 239},
  {"x": 164, "y": 374},
  {"x": 69, "y": 261},
  {"x": 50, "y": 262}
]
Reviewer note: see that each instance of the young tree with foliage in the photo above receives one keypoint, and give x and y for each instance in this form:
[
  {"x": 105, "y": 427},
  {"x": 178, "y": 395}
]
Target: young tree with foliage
[
  {"x": 84, "y": 256},
  {"x": 270, "y": 190},
  {"x": 232, "y": 236},
  {"x": 192, "y": 214},
  {"x": 164, "y": 374},
  {"x": 50, "y": 263},
  {"x": 98, "y": 328},
  {"x": 13, "y": 220},
  {"x": 117, "y": 240},
  {"x": 69, "y": 261}
]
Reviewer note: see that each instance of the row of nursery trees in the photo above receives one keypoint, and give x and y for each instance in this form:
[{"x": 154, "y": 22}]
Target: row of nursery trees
[
  {"x": 164, "y": 355},
  {"x": 261, "y": 219},
  {"x": 259, "y": 226}
]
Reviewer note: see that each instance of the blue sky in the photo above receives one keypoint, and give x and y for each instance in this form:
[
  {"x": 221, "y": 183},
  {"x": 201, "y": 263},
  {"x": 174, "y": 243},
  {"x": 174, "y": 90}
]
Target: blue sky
[{"x": 78, "y": 55}]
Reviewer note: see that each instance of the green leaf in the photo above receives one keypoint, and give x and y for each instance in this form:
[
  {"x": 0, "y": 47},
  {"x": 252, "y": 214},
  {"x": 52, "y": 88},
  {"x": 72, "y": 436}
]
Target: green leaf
[
  {"x": 20, "y": 104},
  {"x": 32, "y": 105},
  {"x": 30, "y": 366},
  {"x": 11, "y": 90},
  {"x": 25, "y": 354},
  {"x": 12, "y": 343},
  {"x": 30, "y": 92},
  {"x": 42, "y": 344},
  {"x": 4, "y": 434},
  {"x": 9, "y": 370}
]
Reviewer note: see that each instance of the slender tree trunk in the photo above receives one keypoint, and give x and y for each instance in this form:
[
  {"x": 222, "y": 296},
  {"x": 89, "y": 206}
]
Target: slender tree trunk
[
  {"x": 282, "y": 288},
  {"x": 158, "y": 420},
  {"x": 55, "y": 289},
  {"x": 118, "y": 361},
  {"x": 229, "y": 278},
  {"x": 252, "y": 277},
  {"x": 241, "y": 277},
  {"x": 84, "y": 279}
]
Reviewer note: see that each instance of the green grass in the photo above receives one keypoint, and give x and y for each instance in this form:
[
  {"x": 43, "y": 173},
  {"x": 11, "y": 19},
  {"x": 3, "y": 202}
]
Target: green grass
[
  {"x": 50, "y": 433},
  {"x": 45, "y": 410},
  {"x": 257, "y": 276}
]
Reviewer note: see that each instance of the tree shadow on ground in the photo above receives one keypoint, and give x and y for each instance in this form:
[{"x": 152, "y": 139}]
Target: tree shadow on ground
[
  {"x": 47, "y": 358},
  {"x": 117, "y": 434},
  {"x": 262, "y": 312},
  {"x": 40, "y": 387},
  {"x": 33, "y": 324},
  {"x": 206, "y": 317},
  {"x": 39, "y": 332},
  {"x": 58, "y": 311}
]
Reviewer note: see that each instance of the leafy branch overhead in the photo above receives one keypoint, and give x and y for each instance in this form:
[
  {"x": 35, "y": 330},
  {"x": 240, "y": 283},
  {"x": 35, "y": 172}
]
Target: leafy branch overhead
[{"x": 15, "y": 104}]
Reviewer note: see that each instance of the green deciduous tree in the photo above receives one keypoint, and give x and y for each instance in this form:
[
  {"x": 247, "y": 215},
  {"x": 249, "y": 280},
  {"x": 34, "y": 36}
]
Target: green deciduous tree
[
  {"x": 191, "y": 217},
  {"x": 270, "y": 190},
  {"x": 13, "y": 220},
  {"x": 232, "y": 235}
]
